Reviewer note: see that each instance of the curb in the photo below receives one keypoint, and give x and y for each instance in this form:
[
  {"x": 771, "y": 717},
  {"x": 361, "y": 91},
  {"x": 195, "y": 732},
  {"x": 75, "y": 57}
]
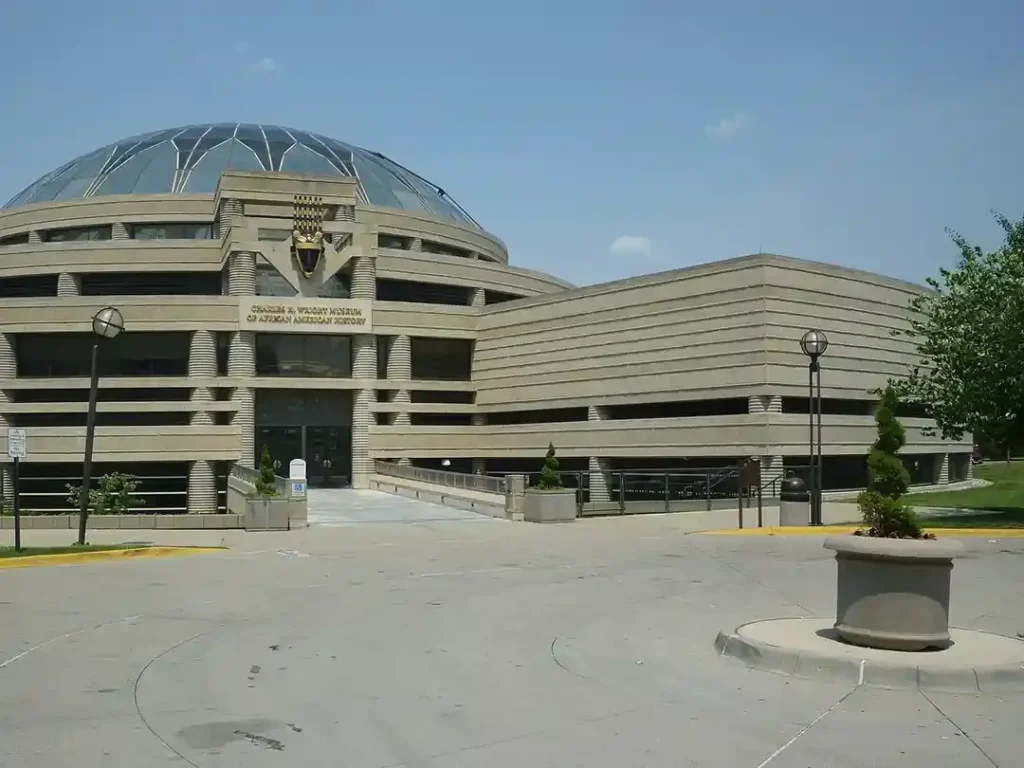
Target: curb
[
  {"x": 830, "y": 530},
  {"x": 991, "y": 679},
  {"x": 74, "y": 558}
]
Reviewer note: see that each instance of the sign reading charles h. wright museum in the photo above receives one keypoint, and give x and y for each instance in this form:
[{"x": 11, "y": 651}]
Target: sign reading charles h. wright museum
[{"x": 278, "y": 315}]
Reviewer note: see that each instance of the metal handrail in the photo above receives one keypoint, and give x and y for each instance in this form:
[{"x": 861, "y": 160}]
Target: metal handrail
[
  {"x": 469, "y": 482},
  {"x": 250, "y": 476}
]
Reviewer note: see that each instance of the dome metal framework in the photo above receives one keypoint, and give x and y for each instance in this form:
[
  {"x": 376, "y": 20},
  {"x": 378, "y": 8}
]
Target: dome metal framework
[{"x": 190, "y": 160}]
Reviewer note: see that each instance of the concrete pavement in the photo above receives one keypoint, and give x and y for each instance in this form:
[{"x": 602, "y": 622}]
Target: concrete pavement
[{"x": 468, "y": 643}]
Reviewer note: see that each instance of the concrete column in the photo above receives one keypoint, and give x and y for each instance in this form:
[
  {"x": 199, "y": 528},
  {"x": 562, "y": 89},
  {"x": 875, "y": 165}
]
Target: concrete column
[
  {"x": 941, "y": 469},
  {"x": 597, "y": 413},
  {"x": 4, "y": 418},
  {"x": 600, "y": 470},
  {"x": 68, "y": 285},
  {"x": 400, "y": 371},
  {"x": 479, "y": 465},
  {"x": 202, "y": 364},
  {"x": 245, "y": 420},
  {"x": 8, "y": 362},
  {"x": 242, "y": 364},
  {"x": 773, "y": 403},
  {"x": 764, "y": 404},
  {"x": 364, "y": 278},
  {"x": 771, "y": 470},
  {"x": 202, "y": 488},
  {"x": 477, "y": 297},
  {"x": 345, "y": 213},
  {"x": 242, "y": 274},
  {"x": 362, "y": 464},
  {"x": 7, "y": 485},
  {"x": 34, "y": 237},
  {"x": 230, "y": 213},
  {"x": 118, "y": 231},
  {"x": 415, "y": 244}
]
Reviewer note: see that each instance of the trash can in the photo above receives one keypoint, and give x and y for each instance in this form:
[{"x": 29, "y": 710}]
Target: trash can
[{"x": 794, "y": 503}]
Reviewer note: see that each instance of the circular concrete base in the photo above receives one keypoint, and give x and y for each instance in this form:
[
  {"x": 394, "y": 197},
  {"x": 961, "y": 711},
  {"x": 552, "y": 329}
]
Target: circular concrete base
[{"x": 975, "y": 662}]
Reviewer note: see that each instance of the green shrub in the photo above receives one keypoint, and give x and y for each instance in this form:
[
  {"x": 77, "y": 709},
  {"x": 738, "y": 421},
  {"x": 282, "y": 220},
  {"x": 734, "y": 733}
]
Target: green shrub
[
  {"x": 888, "y": 479},
  {"x": 549, "y": 477},
  {"x": 266, "y": 483},
  {"x": 112, "y": 496}
]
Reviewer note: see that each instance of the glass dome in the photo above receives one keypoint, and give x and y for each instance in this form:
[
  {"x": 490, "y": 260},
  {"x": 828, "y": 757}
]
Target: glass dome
[{"x": 190, "y": 160}]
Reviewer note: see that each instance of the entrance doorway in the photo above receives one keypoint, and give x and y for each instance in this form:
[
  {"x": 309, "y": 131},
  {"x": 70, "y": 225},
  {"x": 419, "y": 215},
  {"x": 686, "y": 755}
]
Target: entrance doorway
[{"x": 311, "y": 425}]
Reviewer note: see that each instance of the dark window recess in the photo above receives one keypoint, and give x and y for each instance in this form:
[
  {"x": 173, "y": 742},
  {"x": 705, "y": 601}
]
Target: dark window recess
[
  {"x": 444, "y": 359},
  {"x": 104, "y": 395},
  {"x": 382, "y": 419},
  {"x": 130, "y": 354},
  {"x": 499, "y": 297},
  {"x": 285, "y": 354},
  {"x": 298, "y": 407},
  {"x": 28, "y": 285},
  {"x": 222, "y": 418},
  {"x": 542, "y": 416},
  {"x": 455, "y": 464},
  {"x": 393, "y": 241},
  {"x": 385, "y": 395},
  {"x": 222, "y": 340},
  {"x": 844, "y": 407},
  {"x": 421, "y": 293},
  {"x": 136, "y": 419},
  {"x": 680, "y": 409},
  {"x": 161, "y": 486},
  {"x": 151, "y": 284},
  {"x": 270, "y": 282},
  {"x": 170, "y": 231},
  {"x": 444, "y": 396},
  {"x": 77, "y": 234},
  {"x": 428, "y": 246},
  {"x": 337, "y": 286},
  {"x": 440, "y": 419},
  {"x": 19, "y": 239},
  {"x": 678, "y": 464},
  {"x": 383, "y": 351}
]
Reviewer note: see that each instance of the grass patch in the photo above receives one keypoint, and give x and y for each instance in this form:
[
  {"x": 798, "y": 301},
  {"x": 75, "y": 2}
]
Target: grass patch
[
  {"x": 6, "y": 552},
  {"x": 1005, "y": 497}
]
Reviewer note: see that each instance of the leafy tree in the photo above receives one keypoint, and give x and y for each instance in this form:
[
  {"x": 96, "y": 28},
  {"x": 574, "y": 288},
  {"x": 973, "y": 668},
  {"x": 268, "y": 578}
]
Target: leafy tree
[
  {"x": 112, "y": 495},
  {"x": 888, "y": 479},
  {"x": 266, "y": 483},
  {"x": 549, "y": 477},
  {"x": 969, "y": 333}
]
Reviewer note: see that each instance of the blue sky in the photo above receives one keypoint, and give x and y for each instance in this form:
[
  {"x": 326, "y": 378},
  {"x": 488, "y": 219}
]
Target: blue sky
[{"x": 599, "y": 140}]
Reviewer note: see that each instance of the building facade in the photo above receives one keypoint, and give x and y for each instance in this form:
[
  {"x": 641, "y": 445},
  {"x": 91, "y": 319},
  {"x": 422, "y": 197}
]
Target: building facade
[{"x": 286, "y": 290}]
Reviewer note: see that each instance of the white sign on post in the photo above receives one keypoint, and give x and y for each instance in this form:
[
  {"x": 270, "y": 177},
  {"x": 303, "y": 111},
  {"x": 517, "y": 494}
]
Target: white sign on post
[
  {"x": 16, "y": 443},
  {"x": 297, "y": 477}
]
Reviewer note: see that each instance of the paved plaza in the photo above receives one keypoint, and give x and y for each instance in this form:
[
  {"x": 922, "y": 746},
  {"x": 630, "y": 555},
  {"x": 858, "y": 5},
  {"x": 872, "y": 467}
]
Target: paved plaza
[{"x": 447, "y": 640}]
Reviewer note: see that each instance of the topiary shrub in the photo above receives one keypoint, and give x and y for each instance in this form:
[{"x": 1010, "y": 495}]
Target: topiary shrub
[
  {"x": 112, "y": 495},
  {"x": 266, "y": 483},
  {"x": 549, "y": 477},
  {"x": 884, "y": 515}
]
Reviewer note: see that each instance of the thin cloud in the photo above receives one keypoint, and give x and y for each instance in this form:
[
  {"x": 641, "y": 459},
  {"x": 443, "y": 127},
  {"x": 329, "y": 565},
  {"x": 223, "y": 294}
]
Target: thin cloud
[
  {"x": 631, "y": 245},
  {"x": 728, "y": 127},
  {"x": 253, "y": 63},
  {"x": 264, "y": 64}
]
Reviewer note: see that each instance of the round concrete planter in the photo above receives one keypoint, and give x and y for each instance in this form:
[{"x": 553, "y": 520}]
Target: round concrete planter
[{"x": 893, "y": 593}]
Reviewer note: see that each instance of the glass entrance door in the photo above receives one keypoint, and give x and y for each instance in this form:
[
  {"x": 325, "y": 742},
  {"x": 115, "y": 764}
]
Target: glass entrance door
[
  {"x": 328, "y": 456},
  {"x": 284, "y": 444}
]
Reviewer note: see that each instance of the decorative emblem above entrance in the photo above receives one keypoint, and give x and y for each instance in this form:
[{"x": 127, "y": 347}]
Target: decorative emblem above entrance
[{"x": 308, "y": 233}]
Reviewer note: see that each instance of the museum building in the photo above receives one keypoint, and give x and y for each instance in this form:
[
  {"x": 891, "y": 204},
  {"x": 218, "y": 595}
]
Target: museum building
[{"x": 280, "y": 288}]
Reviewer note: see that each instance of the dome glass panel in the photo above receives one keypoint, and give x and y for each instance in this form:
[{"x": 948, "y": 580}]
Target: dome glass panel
[{"x": 190, "y": 160}]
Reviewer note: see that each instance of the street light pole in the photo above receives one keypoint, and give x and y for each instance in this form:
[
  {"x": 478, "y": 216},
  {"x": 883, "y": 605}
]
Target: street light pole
[
  {"x": 106, "y": 324},
  {"x": 813, "y": 344}
]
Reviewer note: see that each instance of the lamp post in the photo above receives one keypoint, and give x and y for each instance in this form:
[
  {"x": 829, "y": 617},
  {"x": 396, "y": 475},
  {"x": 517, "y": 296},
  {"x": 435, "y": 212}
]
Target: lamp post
[
  {"x": 106, "y": 324},
  {"x": 814, "y": 343}
]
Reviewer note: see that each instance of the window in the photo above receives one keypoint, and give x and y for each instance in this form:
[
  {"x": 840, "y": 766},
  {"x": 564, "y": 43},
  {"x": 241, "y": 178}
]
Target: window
[
  {"x": 383, "y": 352},
  {"x": 130, "y": 354},
  {"x": 444, "y": 250},
  {"x": 170, "y": 231},
  {"x": 285, "y": 354},
  {"x": 19, "y": 239},
  {"x": 270, "y": 282},
  {"x": 77, "y": 234},
  {"x": 151, "y": 284},
  {"x": 446, "y": 359},
  {"x": 28, "y": 285},
  {"x": 393, "y": 241},
  {"x": 499, "y": 297},
  {"x": 422, "y": 293}
]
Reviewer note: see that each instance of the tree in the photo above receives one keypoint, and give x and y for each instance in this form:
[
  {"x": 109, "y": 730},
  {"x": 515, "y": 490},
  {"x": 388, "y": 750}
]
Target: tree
[
  {"x": 549, "y": 477},
  {"x": 969, "y": 334},
  {"x": 888, "y": 479},
  {"x": 266, "y": 483},
  {"x": 114, "y": 494}
]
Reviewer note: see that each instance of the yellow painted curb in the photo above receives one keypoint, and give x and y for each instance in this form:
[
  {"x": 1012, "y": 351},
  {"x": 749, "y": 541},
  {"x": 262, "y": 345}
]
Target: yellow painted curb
[
  {"x": 73, "y": 558},
  {"x": 830, "y": 530}
]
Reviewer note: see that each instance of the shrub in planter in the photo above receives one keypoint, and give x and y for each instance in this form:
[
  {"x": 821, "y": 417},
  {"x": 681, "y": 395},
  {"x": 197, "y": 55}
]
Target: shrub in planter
[
  {"x": 549, "y": 477},
  {"x": 266, "y": 483},
  {"x": 884, "y": 515},
  {"x": 112, "y": 496},
  {"x": 548, "y": 501}
]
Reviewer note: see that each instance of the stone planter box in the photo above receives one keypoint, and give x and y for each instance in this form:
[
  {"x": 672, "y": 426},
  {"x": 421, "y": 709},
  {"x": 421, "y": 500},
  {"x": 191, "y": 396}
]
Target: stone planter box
[
  {"x": 893, "y": 593},
  {"x": 549, "y": 506},
  {"x": 272, "y": 513}
]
